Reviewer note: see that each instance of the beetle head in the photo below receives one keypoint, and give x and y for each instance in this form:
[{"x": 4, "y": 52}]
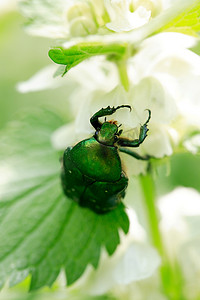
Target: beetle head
[{"x": 108, "y": 133}]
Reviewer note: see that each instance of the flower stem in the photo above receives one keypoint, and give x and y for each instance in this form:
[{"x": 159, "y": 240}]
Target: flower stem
[
  {"x": 122, "y": 69},
  {"x": 149, "y": 197},
  {"x": 170, "y": 275}
]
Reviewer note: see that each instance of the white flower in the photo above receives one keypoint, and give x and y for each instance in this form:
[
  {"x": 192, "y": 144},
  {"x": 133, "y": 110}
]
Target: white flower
[
  {"x": 175, "y": 207},
  {"x": 89, "y": 20},
  {"x": 167, "y": 57},
  {"x": 122, "y": 19},
  {"x": 78, "y": 18},
  {"x": 44, "y": 79},
  {"x": 84, "y": 17},
  {"x": 180, "y": 223}
]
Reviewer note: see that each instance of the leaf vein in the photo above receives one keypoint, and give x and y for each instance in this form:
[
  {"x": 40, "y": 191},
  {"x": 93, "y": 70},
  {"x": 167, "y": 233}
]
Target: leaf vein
[
  {"x": 29, "y": 232},
  {"x": 59, "y": 235}
]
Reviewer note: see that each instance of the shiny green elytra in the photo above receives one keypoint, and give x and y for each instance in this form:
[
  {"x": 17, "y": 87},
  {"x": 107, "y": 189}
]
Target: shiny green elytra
[{"x": 92, "y": 173}]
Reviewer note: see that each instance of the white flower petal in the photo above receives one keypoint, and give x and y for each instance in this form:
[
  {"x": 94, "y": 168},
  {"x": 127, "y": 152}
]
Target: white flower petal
[
  {"x": 180, "y": 211},
  {"x": 122, "y": 19},
  {"x": 81, "y": 78},
  {"x": 156, "y": 50},
  {"x": 180, "y": 202},
  {"x": 151, "y": 94},
  {"x": 95, "y": 73},
  {"x": 158, "y": 143},
  {"x": 186, "y": 91},
  {"x": 100, "y": 99},
  {"x": 180, "y": 223},
  {"x": 176, "y": 68},
  {"x": 138, "y": 262},
  {"x": 193, "y": 144},
  {"x": 64, "y": 137},
  {"x": 42, "y": 80},
  {"x": 133, "y": 166},
  {"x": 174, "y": 207}
]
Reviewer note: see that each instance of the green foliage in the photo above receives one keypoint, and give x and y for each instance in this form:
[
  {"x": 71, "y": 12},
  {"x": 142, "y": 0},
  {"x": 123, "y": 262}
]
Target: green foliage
[
  {"x": 80, "y": 52},
  {"x": 41, "y": 230},
  {"x": 59, "y": 295},
  {"x": 188, "y": 22},
  {"x": 190, "y": 176}
]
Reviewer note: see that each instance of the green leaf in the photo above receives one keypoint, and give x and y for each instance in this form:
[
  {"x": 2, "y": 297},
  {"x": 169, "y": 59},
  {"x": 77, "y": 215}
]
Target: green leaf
[
  {"x": 80, "y": 52},
  {"x": 41, "y": 231},
  {"x": 188, "y": 22},
  {"x": 59, "y": 71}
]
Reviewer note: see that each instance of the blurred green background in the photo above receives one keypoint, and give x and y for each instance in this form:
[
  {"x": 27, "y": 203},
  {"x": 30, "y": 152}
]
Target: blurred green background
[{"x": 21, "y": 56}]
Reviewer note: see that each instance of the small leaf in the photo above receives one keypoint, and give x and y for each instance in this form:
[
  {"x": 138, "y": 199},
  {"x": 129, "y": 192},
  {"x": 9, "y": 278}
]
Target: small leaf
[
  {"x": 188, "y": 22},
  {"x": 41, "y": 231},
  {"x": 78, "y": 53},
  {"x": 59, "y": 71}
]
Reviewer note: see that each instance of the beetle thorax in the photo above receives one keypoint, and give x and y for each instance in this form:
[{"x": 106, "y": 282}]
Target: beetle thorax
[{"x": 107, "y": 135}]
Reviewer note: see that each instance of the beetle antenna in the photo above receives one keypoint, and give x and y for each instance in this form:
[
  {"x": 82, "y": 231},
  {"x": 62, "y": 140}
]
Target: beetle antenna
[
  {"x": 105, "y": 119},
  {"x": 119, "y": 125}
]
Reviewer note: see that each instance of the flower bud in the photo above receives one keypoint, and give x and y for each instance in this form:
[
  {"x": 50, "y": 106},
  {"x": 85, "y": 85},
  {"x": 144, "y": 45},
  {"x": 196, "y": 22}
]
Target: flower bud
[
  {"x": 82, "y": 26},
  {"x": 81, "y": 20},
  {"x": 154, "y": 6}
]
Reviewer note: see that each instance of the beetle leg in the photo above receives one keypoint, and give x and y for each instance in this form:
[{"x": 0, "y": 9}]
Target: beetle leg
[
  {"x": 143, "y": 134},
  {"x": 104, "y": 112},
  {"x": 134, "y": 154}
]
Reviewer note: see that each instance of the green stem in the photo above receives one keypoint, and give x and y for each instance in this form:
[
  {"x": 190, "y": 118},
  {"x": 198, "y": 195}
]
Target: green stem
[
  {"x": 171, "y": 279},
  {"x": 152, "y": 215},
  {"x": 122, "y": 69}
]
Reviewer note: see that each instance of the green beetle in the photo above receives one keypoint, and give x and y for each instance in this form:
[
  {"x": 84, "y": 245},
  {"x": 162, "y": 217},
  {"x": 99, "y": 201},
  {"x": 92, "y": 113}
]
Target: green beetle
[{"x": 92, "y": 173}]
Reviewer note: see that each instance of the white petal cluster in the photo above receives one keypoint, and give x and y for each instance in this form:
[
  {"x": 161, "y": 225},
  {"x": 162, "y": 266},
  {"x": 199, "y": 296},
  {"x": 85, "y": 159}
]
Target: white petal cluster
[
  {"x": 122, "y": 19},
  {"x": 79, "y": 18}
]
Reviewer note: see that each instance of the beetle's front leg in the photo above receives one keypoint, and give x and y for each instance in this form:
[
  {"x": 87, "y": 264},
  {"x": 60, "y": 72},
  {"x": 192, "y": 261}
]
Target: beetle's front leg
[
  {"x": 134, "y": 154},
  {"x": 104, "y": 112},
  {"x": 143, "y": 134}
]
